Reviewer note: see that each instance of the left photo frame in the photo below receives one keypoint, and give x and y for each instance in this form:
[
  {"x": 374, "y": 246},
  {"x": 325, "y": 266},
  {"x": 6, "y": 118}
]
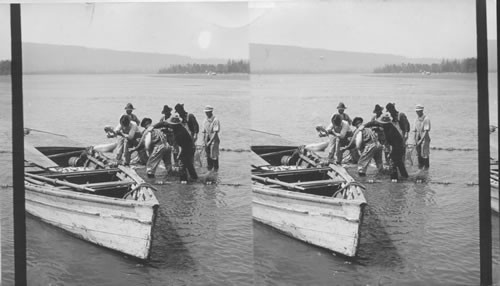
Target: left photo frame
[{"x": 135, "y": 129}]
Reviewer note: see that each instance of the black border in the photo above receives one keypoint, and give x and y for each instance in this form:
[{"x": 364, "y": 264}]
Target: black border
[
  {"x": 483, "y": 144},
  {"x": 485, "y": 240},
  {"x": 18, "y": 146}
]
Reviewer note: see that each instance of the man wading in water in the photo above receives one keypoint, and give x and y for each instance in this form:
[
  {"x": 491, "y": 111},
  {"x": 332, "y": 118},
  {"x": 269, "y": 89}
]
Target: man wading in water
[
  {"x": 186, "y": 147},
  {"x": 422, "y": 138},
  {"x": 366, "y": 141},
  {"x": 211, "y": 128},
  {"x": 395, "y": 140},
  {"x": 156, "y": 146}
]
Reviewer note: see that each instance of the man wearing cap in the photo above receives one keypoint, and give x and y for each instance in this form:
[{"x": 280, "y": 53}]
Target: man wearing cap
[
  {"x": 366, "y": 142},
  {"x": 211, "y": 129},
  {"x": 341, "y": 131},
  {"x": 395, "y": 140},
  {"x": 186, "y": 146},
  {"x": 128, "y": 133},
  {"x": 340, "y": 109},
  {"x": 128, "y": 110},
  {"x": 188, "y": 121},
  {"x": 422, "y": 138},
  {"x": 156, "y": 147}
]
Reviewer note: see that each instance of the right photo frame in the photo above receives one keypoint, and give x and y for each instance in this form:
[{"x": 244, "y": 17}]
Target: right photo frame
[{"x": 365, "y": 142}]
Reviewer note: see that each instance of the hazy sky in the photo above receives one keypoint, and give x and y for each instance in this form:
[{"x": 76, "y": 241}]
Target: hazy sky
[
  {"x": 424, "y": 28},
  {"x": 200, "y": 30}
]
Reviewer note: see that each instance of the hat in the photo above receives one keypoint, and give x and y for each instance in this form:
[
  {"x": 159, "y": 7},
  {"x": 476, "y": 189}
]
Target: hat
[
  {"x": 378, "y": 108},
  {"x": 390, "y": 106},
  {"x": 166, "y": 109},
  {"x": 208, "y": 108},
  {"x": 419, "y": 107},
  {"x": 129, "y": 106},
  {"x": 174, "y": 120},
  {"x": 179, "y": 107},
  {"x": 146, "y": 121},
  {"x": 357, "y": 120},
  {"x": 341, "y": 106},
  {"x": 385, "y": 118}
]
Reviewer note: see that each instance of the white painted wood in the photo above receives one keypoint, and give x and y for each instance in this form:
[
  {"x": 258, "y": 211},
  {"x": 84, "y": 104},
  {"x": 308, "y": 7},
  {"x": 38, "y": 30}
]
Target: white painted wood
[
  {"x": 494, "y": 195},
  {"x": 323, "y": 221},
  {"x": 119, "y": 224}
]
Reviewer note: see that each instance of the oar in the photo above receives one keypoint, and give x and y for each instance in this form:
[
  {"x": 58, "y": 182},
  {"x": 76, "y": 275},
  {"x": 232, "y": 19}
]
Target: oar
[
  {"x": 277, "y": 182},
  {"x": 274, "y": 134},
  {"x": 59, "y": 182},
  {"x": 41, "y": 131}
]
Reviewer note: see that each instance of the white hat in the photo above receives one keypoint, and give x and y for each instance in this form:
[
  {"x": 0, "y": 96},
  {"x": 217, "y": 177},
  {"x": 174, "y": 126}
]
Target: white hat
[
  {"x": 208, "y": 108},
  {"x": 419, "y": 107}
]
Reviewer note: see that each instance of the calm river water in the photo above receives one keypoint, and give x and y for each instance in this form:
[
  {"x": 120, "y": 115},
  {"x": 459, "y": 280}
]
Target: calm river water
[
  {"x": 417, "y": 234},
  {"x": 204, "y": 232}
]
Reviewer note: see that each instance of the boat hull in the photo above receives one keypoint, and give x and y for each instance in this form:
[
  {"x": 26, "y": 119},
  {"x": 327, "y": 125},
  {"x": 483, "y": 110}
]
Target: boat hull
[
  {"x": 119, "y": 224},
  {"x": 326, "y": 222}
]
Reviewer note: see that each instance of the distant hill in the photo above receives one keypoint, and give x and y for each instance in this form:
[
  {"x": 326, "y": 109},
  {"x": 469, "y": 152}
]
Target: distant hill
[
  {"x": 266, "y": 58},
  {"x": 47, "y": 58}
]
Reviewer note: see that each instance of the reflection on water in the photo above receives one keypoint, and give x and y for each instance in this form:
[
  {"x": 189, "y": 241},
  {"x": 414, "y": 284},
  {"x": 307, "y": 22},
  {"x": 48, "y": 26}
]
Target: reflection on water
[
  {"x": 412, "y": 233},
  {"x": 203, "y": 232}
]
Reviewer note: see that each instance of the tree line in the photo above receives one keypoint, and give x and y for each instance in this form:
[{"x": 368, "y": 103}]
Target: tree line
[
  {"x": 232, "y": 66},
  {"x": 4, "y": 67},
  {"x": 467, "y": 65}
]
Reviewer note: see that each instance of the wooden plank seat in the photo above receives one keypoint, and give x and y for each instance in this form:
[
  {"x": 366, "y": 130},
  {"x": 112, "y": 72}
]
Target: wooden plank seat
[
  {"x": 320, "y": 183},
  {"x": 109, "y": 184},
  {"x": 269, "y": 173},
  {"x": 83, "y": 173}
]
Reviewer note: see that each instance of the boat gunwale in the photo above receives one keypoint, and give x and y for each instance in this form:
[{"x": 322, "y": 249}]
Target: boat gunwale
[
  {"x": 281, "y": 192},
  {"x": 69, "y": 194}
]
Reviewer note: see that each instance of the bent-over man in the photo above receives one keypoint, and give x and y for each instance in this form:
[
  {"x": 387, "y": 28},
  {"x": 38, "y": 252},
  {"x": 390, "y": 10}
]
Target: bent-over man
[{"x": 366, "y": 142}]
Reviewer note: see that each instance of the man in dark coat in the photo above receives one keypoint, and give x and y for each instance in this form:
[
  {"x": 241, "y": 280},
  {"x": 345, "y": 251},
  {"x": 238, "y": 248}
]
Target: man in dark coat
[
  {"x": 395, "y": 140},
  {"x": 189, "y": 121},
  {"x": 186, "y": 147}
]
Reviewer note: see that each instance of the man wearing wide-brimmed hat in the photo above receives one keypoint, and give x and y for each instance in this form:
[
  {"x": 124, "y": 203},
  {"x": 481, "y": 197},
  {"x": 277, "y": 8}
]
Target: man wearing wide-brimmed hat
[
  {"x": 378, "y": 110},
  {"x": 340, "y": 110},
  {"x": 211, "y": 129},
  {"x": 186, "y": 147},
  {"x": 128, "y": 110},
  {"x": 422, "y": 138},
  {"x": 396, "y": 142}
]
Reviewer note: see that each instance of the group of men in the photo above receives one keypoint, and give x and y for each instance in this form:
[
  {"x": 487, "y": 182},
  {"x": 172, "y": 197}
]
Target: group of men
[
  {"x": 387, "y": 132},
  {"x": 175, "y": 134}
]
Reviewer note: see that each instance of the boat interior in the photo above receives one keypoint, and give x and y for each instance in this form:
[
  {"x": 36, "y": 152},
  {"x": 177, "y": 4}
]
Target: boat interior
[
  {"x": 74, "y": 156},
  {"x": 297, "y": 170},
  {"x": 103, "y": 182},
  {"x": 80, "y": 171}
]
